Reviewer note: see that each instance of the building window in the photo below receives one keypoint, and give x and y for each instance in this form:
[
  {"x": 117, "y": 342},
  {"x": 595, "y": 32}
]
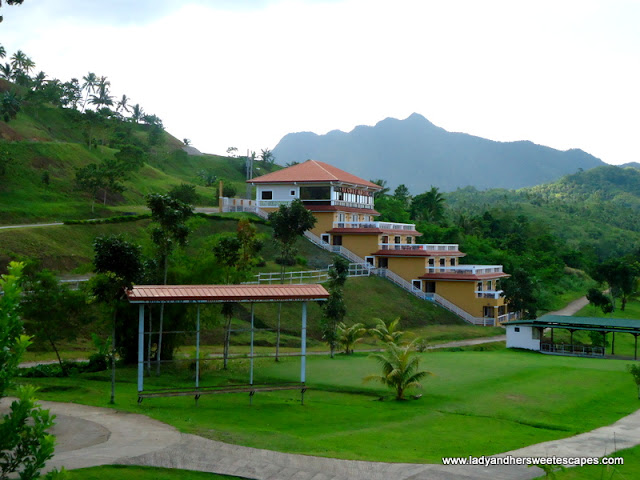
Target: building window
[
  {"x": 293, "y": 193},
  {"x": 453, "y": 262},
  {"x": 430, "y": 287},
  {"x": 489, "y": 285},
  {"x": 409, "y": 240},
  {"x": 479, "y": 286},
  {"x": 516, "y": 329},
  {"x": 397, "y": 239},
  {"x": 442, "y": 262},
  {"x": 266, "y": 195}
]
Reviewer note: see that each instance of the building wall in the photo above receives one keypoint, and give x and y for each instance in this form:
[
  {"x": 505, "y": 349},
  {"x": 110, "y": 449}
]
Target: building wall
[
  {"x": 324, "y": 223},
  {"x": 280, "y": 192},
  {"x": 361, "y": 245},
  {"x": 525, "y": 337},
  {"x": 408, "y": 268},
  {"x": 463, "y": 295}
]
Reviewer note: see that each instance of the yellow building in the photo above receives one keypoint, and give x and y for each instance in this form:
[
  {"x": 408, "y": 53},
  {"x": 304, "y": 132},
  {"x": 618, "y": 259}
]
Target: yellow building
[{"x": 343, "y": 206}]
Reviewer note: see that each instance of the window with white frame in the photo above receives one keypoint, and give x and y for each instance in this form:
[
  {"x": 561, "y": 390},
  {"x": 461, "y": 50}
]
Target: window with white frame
[{"x": 266, "y": 195}]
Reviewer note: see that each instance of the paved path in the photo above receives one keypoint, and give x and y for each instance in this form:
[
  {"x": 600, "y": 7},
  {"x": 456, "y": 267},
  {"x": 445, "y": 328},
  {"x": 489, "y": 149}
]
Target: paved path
[
  {"x": 573, "y": 308},
  {"x": 97, "y": 436},
  {"x": 32, "y": 225}
]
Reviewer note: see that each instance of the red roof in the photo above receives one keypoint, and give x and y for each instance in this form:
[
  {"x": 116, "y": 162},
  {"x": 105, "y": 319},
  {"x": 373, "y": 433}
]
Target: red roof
[
  {"x": 225, "y": 293},
  {"x": 313, "y": 171}
]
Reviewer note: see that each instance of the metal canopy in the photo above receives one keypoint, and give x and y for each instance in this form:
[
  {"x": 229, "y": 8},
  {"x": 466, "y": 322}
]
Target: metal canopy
[
  {"x": 624, "y": 325},
  {"x": 225, "y": 293}
]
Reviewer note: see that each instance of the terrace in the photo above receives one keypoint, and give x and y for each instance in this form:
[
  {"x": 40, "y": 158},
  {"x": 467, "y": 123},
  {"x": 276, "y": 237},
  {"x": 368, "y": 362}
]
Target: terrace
[
  {"x": 378, "y": 225},
  {"x": 466, "y": 269},
  {"x": 427, "y": 247}
]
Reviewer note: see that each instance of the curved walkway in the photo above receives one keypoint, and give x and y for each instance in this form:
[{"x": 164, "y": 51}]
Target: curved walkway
[{"x": 90, "y": 436}]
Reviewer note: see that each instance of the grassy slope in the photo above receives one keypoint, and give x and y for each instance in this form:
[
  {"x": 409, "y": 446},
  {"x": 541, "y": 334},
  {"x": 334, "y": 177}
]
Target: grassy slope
[
  {"x": 514, "y": 395},
  {"x": 118, "y": 472},
  {"x": 50, "y": 139}
]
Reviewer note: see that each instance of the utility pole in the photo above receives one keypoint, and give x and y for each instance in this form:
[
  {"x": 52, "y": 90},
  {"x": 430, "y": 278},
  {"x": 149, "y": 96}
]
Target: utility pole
[{"x": 249, "y": 170}]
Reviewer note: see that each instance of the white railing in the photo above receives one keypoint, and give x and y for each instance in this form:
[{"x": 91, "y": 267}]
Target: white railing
[
  {"x": 272, "y": 203},
  {"x": 508, "y": 317},
  {"x": 429, "y": 247},
  {"x": 339, "y": 249},
  {"x": 342, "y": 203},
  {"x": 495, "y": 294},
  {"x": 379, "y": 225},
  {"x": 307, "y": 276},
  {"x": 401, "y": 282},
  {"x": 466, "y": 269}
]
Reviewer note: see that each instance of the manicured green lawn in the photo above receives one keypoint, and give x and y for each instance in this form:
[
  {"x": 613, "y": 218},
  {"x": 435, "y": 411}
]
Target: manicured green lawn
[
  {"x": 120, "y": 472},
  {"x": 477, "y": 403}
]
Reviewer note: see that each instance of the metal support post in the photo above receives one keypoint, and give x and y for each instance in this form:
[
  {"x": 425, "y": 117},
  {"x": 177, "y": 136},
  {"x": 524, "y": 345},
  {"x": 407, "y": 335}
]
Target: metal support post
[
  {"x": 197, "y": 350},
  {"x": 303, "y": 345},
  {"x": 251, "y": 354},
  {"x": 140, "y": 347}
]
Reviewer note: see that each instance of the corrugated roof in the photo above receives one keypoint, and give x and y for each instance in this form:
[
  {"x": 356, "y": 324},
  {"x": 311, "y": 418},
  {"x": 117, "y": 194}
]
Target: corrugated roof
[
  {"x": 561, "y": 321},
  {"x": 224, "y": 293},
  {"x": 313, "y": 171}
]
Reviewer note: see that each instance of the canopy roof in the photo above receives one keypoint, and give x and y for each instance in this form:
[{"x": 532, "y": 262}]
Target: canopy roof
[
  {"x": 582, "y": 323},
  {"x": 225, "y": 293},
  {"x": 313, "y": 171}
]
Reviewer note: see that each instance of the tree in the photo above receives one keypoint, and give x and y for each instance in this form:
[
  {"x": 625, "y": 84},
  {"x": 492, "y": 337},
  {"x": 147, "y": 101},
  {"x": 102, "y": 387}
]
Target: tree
[
  {"x": 119, "y": 264},
  {"x": 102, "y": 98},
  {"x": 170, "y": 216},
  {"x": 622, "y": 277},
  {"x": 187, "y": 142},
  {"x": 137, "y": 113},
  {"x": 90, "y": 83},
  {"x": 634, "y": 370},
  {"x": 334, "y": 309},
  {"x": 227, "y": 252},
  {"x": 400, "y": 369},
  {"x": 387, "y": 332},
  {"x": 428, "y": 206},
  {"x": 18, "y": 60},
  {"x": 247, "y": 234},
  {"x": 10, "y": 105},
  {"x": 349, "y": 336},
  {"x": 401, "y": 193},
  {"x": 131, "y": 158},
  {"x": 232, "y": 151},
  {"x": 288, "y": 222},
  {"x": 520, "y": 293},
  {"x": 25, "y": 445},
  {"x": 383, "y": 191},
  {"x": 267, "y": 156},
  {"x": 184, "y": 192},
  {"x": 599, "y": 299},
  {"x": 6, "y": 71},
  {"x": 3, "y": 52},
  {"x": 90, "y": 179},
  {"x": 122, "y": 104},
  {"x": 53, "y": 310}
]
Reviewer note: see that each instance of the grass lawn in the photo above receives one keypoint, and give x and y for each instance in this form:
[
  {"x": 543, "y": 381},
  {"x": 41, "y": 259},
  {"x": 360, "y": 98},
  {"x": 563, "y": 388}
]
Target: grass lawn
[
  {"x": 476, "y": 403},
  {"x": 118, "y": 472}
]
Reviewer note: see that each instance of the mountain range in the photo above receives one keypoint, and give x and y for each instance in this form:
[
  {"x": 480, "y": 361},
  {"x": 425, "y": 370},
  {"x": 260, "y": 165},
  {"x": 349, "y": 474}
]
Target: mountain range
[{"x": 419, "y": 154}]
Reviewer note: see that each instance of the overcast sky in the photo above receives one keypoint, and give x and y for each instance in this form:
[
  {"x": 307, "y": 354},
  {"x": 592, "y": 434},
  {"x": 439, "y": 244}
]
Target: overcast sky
[{"x": 244, "y": 73}]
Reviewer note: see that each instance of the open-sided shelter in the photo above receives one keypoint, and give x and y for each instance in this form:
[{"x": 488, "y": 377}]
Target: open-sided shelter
[{"x": 204, "y": 294}]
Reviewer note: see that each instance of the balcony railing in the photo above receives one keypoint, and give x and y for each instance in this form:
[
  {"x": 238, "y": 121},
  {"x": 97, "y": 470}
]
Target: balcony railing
[
  {"x": 507, "y": 317},
  {"x": 342, "y": 203},
  {"x": 495, "y": 294},
  {"x": 428, "y": 247},
  {"x": 381, "y": 225},
  {"x": 467, "y": 269}
]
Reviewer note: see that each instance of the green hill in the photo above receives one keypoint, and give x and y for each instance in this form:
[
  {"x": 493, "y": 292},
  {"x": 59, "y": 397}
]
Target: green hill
[{"x": 43, "y": 146}]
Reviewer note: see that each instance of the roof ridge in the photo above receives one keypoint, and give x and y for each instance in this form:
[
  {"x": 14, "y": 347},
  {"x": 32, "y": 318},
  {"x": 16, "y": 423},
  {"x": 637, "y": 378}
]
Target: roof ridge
[{"x": 319, "y": 164}]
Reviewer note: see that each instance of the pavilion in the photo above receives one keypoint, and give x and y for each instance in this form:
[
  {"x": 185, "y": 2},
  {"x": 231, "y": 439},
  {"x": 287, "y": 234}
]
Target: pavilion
[{"x": 206, "y": 294}]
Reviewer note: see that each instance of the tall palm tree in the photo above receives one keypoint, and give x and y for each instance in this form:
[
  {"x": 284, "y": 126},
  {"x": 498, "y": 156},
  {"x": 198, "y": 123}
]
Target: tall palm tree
[
  {"x": 123, "y": 104},
  {"x": 90, "y": 83},
  {"x": 399, "y": 369},
  {"x": 137, "y": 113},
  {"x": 6, "y": 71},
  {"x": 102, "y": 98},
  {"x": 3, "y": 52},
  {"x": 381, "y": 183},
  {"x": 18, "y": 60},
  {"x": 38, "y": 80},
  {"x": 28, "y": 65},
  {"x": 428, "y": 206}
]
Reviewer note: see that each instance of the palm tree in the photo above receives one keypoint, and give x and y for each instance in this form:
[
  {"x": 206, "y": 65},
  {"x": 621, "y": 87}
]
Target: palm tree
[
  {"x": 38, "y": 80},
  {"x": 3, "y": 52},
  {"x": 102, "y": 98},
  {"x": 428, "y": 206},
  {"x": 122, "y": 104},
  {"x": 137, "y": 113},
  {"x": 387, "y": 332},
  {"x": 28, "y": 65},
  {"x": 381, "y": 183},
  {"x": 6, "y": 71},
  {"x": 349, "y": 336},
  {"x": 90, "y": 83},
  {"x": 18, "y": 60},
  {"x": 399, "y": 369}
]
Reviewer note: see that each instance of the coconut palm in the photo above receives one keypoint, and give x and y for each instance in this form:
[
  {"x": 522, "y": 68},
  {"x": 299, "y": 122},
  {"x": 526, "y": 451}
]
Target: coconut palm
[
  {"x": 349, "y": 336},
  {"x": 90, "y": 84},
  {"x": 6, "y": 71},
  {"x": 18, "y": 60},
  {"x": 137, "y": 113},
  {"x": 428, "y": 206},
  {"x": 387, "y": 332},
  {"x": 28, "y": 65},
  {"x": 3, "y": 52},
  {"x": 38, "y": 80},
  {"x": 102, "y": 98},
  {"x": 123, "y": 104},
  {"x": 399, "y": 369}
]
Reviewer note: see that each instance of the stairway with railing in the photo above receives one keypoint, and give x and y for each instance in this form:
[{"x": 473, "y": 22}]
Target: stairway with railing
[{"x": 394, "y": 278}]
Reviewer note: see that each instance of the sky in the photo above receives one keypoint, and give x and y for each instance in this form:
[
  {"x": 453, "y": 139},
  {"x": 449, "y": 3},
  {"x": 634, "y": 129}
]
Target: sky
[{"x": 244, "y": 73}]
